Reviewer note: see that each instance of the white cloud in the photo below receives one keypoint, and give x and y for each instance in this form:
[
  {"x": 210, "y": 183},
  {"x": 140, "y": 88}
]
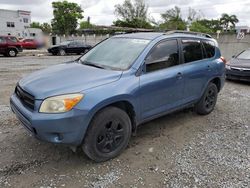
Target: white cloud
[{"x": 102, "y": 11}]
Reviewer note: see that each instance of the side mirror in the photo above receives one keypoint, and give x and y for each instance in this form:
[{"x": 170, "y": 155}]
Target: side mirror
[
  {"x": 141, "y": 69},
  {"x": 233, "y": 56}
]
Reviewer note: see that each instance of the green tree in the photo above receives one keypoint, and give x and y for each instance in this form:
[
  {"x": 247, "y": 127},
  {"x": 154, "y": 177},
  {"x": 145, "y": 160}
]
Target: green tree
[
  {"x": 228, "y": 21},
  {"x": 199, "y": 27},
  {"x": 132, "y": 14},
  {"x": 35, "y": 25},
  {"x": 66, "y": 16},
  {"x": 213, "y": 25},
  {"x": 45, "y": 27},
  {"x": 86, "y": 25},
  {"x": 172, "y": 19}
]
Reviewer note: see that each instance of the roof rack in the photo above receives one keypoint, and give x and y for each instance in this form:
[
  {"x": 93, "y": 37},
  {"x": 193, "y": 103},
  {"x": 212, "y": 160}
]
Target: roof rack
[{"x": 188, "y": 32}]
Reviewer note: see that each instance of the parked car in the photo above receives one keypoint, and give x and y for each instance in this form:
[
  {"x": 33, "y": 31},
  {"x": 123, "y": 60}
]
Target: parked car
[
  {"x": 238, "y": 67},
  {"x": 29, "y": 44},
  {"x": 98, "y": 100},
  {"x": 10, "y": 46},
  {"x": 69, "y": 47}
]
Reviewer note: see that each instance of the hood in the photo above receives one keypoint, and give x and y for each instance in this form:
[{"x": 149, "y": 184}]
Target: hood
[
  {"x": 66, "y": 78},
  {"x": 240, "y": 63}
]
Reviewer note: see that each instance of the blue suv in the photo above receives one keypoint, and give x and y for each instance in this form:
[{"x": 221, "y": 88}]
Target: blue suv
[{"x": 98, "y": 100}]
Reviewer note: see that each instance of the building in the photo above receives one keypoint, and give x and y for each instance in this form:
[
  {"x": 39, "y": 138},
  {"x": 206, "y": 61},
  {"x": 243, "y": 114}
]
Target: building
[
  {"x": 17, "y": 23},
  {"x": 242, "y": 29}
]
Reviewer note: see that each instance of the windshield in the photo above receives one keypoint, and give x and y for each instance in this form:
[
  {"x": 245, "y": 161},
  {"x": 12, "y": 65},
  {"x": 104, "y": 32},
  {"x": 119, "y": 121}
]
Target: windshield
[
  {"x": 244, "y": 55},
  {"x": 115, "y": 53}
]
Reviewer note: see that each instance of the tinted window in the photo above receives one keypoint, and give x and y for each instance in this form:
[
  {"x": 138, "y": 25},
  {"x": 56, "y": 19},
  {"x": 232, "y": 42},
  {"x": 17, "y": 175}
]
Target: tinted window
[
  {"x": 163, "y": 55},
  {"x": 72, "y": 44},
  {"x": 209, "y": 48},
  {"x": 79, "y": 43},
  {"x": 2, "y": 40},
  {"x": 192, "y": 50}
]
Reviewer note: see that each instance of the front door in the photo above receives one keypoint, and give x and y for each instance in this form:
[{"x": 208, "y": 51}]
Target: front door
[{"x": 161, "y": 84}]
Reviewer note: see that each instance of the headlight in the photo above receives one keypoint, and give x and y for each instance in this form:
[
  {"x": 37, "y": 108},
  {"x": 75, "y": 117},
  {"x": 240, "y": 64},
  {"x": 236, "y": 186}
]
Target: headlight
[
  {"x": 228, "y": 67},
  {"x": 59, "y": 104}
]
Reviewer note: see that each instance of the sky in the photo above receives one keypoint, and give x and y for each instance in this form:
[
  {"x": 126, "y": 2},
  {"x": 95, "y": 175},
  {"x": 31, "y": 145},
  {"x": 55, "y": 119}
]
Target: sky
[{"x": 101, "y": 12}]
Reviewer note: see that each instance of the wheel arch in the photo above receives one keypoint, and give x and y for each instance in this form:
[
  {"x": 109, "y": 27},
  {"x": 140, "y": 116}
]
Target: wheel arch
[
  {"x": 124, "y": 104},
  {"x": 217, "y": 82}
]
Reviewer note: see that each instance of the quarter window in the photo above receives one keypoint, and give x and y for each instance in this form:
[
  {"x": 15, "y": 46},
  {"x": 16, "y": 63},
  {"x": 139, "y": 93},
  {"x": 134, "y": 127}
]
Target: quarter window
[
  {"x": 209, "y": 48},
  {"x": 163, "y": 55},
  {"x": 192, "y": 50}
]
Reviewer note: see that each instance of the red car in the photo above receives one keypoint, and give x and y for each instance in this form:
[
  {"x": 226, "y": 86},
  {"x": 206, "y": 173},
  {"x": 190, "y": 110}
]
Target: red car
[
  {"x": 10, "y": 46},
  {"x": 29, "y": 44}
]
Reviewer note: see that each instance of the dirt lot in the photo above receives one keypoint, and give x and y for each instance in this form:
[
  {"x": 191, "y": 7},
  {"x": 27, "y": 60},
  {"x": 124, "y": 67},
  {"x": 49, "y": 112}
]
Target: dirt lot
[{"x": 179, "y": 150}]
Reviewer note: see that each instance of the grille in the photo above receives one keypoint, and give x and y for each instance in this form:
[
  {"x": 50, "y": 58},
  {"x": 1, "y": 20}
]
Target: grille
[
  {"x": 240, "y": 69},
  {"x": 26, "y": 99}
]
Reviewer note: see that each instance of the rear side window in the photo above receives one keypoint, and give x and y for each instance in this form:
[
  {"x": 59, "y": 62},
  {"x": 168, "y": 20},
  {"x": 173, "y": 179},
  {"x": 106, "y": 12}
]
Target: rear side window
[
  {"x": 164, "y": 55},
  {"x": 192, "y": 50},
  {"x": 209, "y": 48},
  {"x": 2, "y": 40}
]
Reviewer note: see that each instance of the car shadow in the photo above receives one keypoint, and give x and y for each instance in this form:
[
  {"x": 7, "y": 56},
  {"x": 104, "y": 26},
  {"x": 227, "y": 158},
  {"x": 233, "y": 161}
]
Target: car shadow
[{"x": 239, "y": 82}]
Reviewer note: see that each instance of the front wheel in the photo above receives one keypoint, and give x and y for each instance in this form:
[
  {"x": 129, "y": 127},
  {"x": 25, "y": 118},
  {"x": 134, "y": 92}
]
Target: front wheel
[
  {"x": 12, "y": 53},
  {"x": 208, "y": 100},
  {"x": 61, "y": 52},
  {"x": 108, "y": 134}
]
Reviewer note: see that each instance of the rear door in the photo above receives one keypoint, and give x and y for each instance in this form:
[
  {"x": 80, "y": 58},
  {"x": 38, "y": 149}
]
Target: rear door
[
  {"x": 196, "y": 69},
  {"x": 161, "y": 84}
]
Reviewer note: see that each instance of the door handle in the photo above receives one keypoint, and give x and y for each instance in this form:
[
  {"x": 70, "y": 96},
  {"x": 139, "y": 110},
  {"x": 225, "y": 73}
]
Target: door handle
[{"x": 179, "y": 75}]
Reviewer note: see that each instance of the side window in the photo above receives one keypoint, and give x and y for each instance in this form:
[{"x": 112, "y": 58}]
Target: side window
[
  {"x": 79, "y": 44},
  {"x": 72, "y": 44},
  {"x": 163, "y": 55},
  {"x": 13, "y": 39},
  {"x": 209, "y": 48},
  {"x": 192, "y": 50},
  {"x": 2, "y": 40}
]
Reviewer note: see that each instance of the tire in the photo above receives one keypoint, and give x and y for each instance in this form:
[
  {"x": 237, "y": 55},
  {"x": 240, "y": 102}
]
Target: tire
[
  {"x": 11, "y": 53},
  {"x": 108, "y": 134},
  {"x": 53, "y": 53},
  {"x": 208, "y": 100},
  {"x": 61, "y": 52}
]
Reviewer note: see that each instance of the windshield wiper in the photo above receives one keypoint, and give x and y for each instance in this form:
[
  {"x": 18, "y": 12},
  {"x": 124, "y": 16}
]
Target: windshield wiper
[{"x": 91, "y": 64}]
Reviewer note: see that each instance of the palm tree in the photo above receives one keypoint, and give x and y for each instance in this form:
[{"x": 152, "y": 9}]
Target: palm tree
[{"x": 228, "y": 21}]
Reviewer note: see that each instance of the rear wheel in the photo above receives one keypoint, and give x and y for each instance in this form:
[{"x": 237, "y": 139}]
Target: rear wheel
[
  {"x": 108, "y": 134},
  {"x": 208, "y": 100},
  {"x": 11, "y": 53}
]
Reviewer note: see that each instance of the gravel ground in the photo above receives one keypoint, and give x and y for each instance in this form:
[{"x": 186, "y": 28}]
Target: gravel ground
[{"x": 179, "y": 150}]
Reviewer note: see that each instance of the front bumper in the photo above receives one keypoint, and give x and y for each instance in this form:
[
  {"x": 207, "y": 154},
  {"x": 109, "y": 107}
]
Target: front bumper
[
  {"x": 64, "y": 128},
  {"x": 20, "y": 49},
  {"x": 238, "y": 75}
]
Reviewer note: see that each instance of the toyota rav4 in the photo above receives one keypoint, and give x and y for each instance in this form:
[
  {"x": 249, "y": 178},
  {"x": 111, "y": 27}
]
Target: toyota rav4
[{"x": 98, "y": 100}]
